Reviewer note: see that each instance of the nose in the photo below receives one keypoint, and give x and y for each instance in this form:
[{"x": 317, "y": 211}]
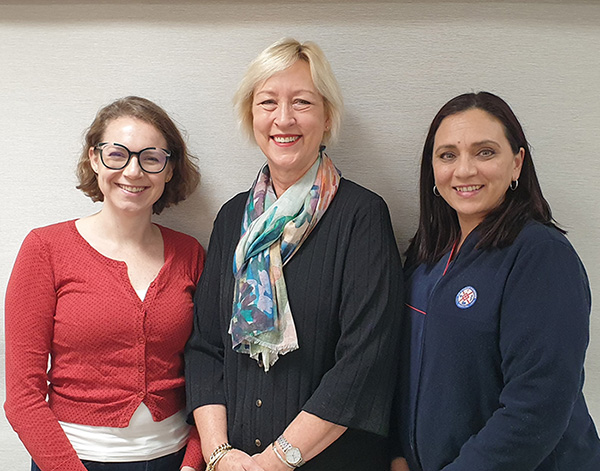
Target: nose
[
  {"x": 133, "y": 169},
  {"x": 465, "y": 167},
  {"x": 285, "y": 115}
]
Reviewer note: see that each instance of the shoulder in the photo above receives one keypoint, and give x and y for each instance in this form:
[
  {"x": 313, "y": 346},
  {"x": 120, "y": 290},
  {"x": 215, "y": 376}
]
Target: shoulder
[
  {"x": 353, "y": 197},
  {"x": 542, "y": 237},
  {"x": 231, "y": 212},
  {"x": 48, "y": 244},
  {"x": 183, "y": 248},
  {"x": 352, "y": 190},
  {"x": 56, "y": 235},
  {"x": 177, "y": 238},
  {"x": 358, "y": 215},
  {"x": 547, "y": 252},
  {"x": 60, "y": 229},
  {"x": 537, "y": 244}
]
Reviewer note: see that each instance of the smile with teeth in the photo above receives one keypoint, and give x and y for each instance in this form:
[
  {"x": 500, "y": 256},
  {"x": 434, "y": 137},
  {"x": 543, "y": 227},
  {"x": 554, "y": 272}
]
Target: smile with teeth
[
  {"x": 468, "y": 188},
  {"x": 132, "y": 189},
  {"x": 285, "y": 139}
]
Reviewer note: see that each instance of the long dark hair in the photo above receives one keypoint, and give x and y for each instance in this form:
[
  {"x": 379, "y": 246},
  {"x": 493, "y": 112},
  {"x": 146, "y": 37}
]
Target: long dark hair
[{"x": 438, "y": 223}]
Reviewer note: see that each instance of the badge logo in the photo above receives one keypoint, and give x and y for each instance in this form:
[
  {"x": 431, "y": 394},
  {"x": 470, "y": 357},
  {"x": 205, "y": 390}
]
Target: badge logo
[{"x": 466, "y": 297}]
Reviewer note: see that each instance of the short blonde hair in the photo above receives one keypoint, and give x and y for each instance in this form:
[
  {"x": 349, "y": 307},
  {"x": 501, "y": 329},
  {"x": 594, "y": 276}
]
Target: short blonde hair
[{"x": 278, "y": 57}]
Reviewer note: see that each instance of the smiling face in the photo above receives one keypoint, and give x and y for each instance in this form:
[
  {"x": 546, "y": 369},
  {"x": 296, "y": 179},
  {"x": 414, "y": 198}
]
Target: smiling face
[
  {"x": 473, "y": 165},
  {"x": 289, "y": 120},
  {"x": 130, "y": 189}
]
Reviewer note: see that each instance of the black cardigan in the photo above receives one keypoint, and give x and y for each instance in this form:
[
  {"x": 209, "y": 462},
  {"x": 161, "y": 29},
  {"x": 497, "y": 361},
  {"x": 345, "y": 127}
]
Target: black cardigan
[{"x": 345, "y": 291}]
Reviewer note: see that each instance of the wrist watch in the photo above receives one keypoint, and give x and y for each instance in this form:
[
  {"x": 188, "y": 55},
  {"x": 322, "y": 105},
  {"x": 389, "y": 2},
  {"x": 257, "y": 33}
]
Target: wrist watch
[{"x": 293, "y": 457}]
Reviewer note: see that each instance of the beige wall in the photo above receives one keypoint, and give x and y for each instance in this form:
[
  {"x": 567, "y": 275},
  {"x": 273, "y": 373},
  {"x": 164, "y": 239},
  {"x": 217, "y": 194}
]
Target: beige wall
[{"x": 397, "y": 62}]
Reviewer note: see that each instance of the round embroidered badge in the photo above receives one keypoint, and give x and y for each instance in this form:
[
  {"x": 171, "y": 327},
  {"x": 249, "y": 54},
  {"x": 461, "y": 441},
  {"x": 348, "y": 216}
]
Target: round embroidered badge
[{"x": 466, "y": 297}]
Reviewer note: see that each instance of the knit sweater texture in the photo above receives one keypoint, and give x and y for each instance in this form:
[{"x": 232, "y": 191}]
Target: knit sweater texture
[
  {"x": 345, "y": 291},
  {"x": 109, "y": 350}
]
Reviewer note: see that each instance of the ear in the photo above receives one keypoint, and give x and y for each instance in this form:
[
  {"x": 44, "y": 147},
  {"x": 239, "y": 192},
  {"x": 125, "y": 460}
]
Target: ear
[
  {"x": 94, "y": 159},
  {"x": 518, "y": 164},
  {"x": 168, "y": 173}
]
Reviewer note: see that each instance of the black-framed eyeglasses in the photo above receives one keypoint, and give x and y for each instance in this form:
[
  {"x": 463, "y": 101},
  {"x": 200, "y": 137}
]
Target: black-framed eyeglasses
[{"x": 116, "y": 156}]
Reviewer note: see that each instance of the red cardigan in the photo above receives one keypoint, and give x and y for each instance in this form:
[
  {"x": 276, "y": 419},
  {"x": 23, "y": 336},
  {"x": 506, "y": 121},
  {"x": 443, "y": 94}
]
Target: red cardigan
[{"x": 109, "y": 350}]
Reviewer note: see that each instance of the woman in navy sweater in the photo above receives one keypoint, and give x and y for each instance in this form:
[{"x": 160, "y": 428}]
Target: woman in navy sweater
[{"x": 497, "y": 311}]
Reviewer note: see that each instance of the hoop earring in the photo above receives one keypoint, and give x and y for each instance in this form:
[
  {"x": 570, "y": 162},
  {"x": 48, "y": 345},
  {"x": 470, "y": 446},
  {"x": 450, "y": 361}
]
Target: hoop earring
[
  {"x": 514, "y": 185},
  {"x": 436, "y": 192}
]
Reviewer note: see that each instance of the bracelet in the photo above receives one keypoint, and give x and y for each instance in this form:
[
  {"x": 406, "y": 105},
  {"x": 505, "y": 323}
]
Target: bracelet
[
  {"x": 216, "y": 455},
  {"x": 281, "y": 458}
]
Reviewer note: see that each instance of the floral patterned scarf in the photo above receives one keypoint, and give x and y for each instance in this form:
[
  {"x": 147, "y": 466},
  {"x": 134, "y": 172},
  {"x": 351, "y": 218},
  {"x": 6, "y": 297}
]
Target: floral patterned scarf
[{"x": 272, "y": 231}]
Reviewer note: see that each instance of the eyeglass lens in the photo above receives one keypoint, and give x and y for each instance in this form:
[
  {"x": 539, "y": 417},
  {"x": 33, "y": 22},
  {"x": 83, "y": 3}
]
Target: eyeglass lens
[{"x": 117, "y": 157}]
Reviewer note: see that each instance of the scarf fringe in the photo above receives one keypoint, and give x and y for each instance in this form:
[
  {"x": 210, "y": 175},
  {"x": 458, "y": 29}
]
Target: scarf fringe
[{"x": 269, "y": 239}]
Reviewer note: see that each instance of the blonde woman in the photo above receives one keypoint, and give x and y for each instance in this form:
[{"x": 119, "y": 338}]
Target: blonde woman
[{"x": 293, "y": 354}]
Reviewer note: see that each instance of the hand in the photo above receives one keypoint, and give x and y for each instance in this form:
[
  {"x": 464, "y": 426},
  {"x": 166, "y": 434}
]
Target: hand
[
  {"x": 399, "y": 464},
  {"x": 187, "y": 468},
  {"x": 269, "y": 461},
  {"x": 237, "y": 460}
]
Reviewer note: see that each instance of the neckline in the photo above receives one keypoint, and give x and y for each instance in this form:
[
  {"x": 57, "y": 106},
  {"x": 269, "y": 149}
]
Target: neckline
[
  {"x": 122, "y": 264},
  {"x": 90, "y": 247},
  {"x": 450, "y": 258}
]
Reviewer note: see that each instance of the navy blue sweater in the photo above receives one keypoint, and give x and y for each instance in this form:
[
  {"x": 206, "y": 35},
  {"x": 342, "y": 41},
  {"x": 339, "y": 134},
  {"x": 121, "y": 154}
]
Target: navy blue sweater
[{"x": 494, "y": 350}]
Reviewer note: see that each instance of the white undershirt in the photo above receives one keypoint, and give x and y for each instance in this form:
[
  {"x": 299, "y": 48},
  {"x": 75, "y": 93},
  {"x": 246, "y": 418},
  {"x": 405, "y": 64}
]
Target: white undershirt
[{"x": 142, "y": 440}]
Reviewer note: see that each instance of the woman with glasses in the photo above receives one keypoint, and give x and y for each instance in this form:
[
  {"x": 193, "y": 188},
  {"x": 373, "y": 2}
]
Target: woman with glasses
[{"x": 108, "y": 298}]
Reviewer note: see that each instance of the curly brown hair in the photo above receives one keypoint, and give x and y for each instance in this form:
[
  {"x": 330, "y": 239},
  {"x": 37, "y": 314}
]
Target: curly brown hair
[{"x": 186, "y": 175}]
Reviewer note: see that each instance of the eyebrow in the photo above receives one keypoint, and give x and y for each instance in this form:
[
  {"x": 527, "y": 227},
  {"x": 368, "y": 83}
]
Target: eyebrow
[
  {"x": 475, "y": 144},
  {"x": 295, "y": 92}
]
